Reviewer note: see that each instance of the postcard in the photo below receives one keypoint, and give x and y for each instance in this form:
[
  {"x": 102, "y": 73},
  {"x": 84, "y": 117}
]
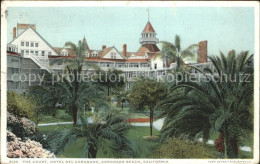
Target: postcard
[{"x": 129, "y": 82}]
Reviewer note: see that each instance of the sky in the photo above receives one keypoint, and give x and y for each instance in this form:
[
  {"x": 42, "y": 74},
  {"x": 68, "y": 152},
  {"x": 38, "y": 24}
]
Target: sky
[{"x": 224, "y": 28}]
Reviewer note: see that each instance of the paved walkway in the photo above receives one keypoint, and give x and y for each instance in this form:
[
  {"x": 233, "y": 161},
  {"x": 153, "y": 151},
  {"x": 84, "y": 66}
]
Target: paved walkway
[{"x": 156, "y": 124}]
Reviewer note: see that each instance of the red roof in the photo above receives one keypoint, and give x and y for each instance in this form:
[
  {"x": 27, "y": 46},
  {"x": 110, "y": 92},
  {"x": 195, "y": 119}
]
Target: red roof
[
  {"x": 137, "y": 60},
  {"x": 148, "y": 48},
  {"x": 105, "y": 60},
  {"x": 148, "y": 27},
  {"x": 12, "y": 53},
  {"x": 61, "y": 57}
]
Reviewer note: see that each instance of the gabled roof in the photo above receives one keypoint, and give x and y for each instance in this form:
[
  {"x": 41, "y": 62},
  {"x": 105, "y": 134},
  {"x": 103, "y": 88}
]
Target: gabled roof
[
  {"x": 36, "y": 34},
  {"x": 148, "y": 48},
  {"x": 148, "y": 27},
  {"x": 70, "y": 51}
]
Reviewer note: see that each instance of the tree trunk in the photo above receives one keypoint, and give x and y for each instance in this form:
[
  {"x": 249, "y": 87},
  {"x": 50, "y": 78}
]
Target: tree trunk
[
  {"x": 151, "y": 122},
  {"x": 92, "y": 153},
  {"x": 230, "y": 144},
  {"x": 108, "y": 91},
  {"x": 75, "y": 115},
  {"x": 122, "y": 106}
]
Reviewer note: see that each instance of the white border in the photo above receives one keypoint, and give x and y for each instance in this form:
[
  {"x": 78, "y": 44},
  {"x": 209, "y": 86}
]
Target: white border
[{"x": 6, "y": 4}]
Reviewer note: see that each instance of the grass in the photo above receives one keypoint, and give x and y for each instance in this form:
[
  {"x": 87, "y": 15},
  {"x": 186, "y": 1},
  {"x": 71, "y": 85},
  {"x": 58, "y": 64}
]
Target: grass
[
  {"x": 48, "y": 129},
  {"x": 61, "y": 116}
]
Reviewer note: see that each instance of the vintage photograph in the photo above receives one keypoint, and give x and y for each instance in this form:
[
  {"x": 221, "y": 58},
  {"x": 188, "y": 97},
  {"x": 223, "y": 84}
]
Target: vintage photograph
[{"x": 130, "y": 81}]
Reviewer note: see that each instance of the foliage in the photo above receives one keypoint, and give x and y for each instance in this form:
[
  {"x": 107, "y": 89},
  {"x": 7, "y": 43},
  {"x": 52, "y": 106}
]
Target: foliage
[
  {"x": 97, "y": 134},
  {"x": 74, "y": 93},
  {"x": 16, "y": 148},
  {"x": 181, "y": 148},
  {"x": 21, "y": 127},
  {"x": 175, "y": 53},
  {"x": 20, "y": 105},
  {"x": 193, "y": 108},
  {"x": 146, "y": 93},
  {"x": 112, "y": 79}
]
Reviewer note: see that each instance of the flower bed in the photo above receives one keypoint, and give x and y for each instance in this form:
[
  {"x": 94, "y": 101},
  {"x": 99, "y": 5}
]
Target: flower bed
[{"x": 139, "y": 119}]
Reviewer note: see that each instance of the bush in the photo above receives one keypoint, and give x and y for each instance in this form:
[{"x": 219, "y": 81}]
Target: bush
[
  {"x": 20, "y": 105},
  {"x": 182, "y": 148},
  {"x": 16, "y": 148},
  {"x": 21, "y": 127}
]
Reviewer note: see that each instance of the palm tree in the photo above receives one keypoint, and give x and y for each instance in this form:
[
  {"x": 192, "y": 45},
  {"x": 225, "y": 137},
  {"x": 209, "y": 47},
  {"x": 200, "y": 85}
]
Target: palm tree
[
  {"x": 192, "y": 109},
  {"x": 109, "y": 134},
  {"x": 74, "y": 92},
  {"x": 174, "y": 52},
  {"x": 111, "y": 79}
]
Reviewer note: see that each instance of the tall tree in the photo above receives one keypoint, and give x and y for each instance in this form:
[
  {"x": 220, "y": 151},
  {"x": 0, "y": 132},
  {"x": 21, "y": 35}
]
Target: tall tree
[
  {"x": 174, "y": 52},
  {"x": 221, "y": 101},
  {"x": 73, "y": 90},
  {"x": 146, "y": 93}
]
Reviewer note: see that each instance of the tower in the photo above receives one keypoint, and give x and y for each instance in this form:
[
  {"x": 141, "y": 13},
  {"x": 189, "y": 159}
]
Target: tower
[
  {"x": 148, "y": 35},
  {"x": 148, "y": 41},
  {"x": 85, "y": 41}
]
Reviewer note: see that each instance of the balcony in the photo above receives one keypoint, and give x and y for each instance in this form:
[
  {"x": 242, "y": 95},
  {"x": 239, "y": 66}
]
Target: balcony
[{"x": 149, "y": 40}]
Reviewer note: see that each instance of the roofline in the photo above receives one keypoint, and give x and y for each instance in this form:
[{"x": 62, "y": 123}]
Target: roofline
[{"x": 38, "y": 35}]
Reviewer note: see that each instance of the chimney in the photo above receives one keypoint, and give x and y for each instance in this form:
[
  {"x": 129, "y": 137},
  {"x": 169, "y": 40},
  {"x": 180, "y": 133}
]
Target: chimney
[
  {"x": 104, "y": 47},
  {"x": 124, "y": 49},
  {"x": 202, "y": 52},
  {"x": 14, "y": 33}
]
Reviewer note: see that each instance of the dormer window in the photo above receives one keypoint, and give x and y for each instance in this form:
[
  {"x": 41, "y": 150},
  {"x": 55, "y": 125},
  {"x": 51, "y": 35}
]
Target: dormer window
[{"x": 94, "y": 54}]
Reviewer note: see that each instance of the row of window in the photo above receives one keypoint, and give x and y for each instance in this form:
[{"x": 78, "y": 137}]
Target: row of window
[
  {"x": 29, "y": 44},
  {"x": 36, "y": 53}
]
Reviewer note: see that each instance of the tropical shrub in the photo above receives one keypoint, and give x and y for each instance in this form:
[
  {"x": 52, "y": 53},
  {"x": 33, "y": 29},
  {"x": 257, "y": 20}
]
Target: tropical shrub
[
  {"x": 20, "y": 105},
  {"x": 213, "y": 103},
  {"x": 182, "y": 148}
]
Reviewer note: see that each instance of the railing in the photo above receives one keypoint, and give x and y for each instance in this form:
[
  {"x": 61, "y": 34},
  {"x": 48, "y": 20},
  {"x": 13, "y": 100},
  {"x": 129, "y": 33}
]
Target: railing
[
  {"x": 42, "y": 62},
  {"x": 150, "y": 39}
]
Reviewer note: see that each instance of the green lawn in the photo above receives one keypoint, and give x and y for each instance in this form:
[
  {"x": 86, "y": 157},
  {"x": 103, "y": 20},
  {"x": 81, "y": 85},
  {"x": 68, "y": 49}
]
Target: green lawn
[
  {"x": 61, "y": 116},
  {"x": 48, "y": 129}
]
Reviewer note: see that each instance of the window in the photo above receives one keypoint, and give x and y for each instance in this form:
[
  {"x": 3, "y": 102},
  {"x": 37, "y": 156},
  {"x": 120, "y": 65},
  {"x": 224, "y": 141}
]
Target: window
[
  {"x": 27, "y": 52},
  {"x": 43, "y": 53},
  {"x": 36, "y": 53},
  {"x": 22, "y": 43},
  {"x": 27, "y": 44},
  {"x": 113, "y": 55},
  {"x": 32, "y": 44},
  {"x": 155, "y": 66},
  {"x": 36, "y": 44},
  {"x": 22, "y": 52},
  {"x": 49, "y": 53},
  {"x": 31, "y": 53}
]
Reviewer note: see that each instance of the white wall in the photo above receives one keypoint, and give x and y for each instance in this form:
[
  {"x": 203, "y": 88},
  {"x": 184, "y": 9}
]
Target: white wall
[
  {"x": 31, "y": 36},
  {"x": 158, "y": 61}
]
